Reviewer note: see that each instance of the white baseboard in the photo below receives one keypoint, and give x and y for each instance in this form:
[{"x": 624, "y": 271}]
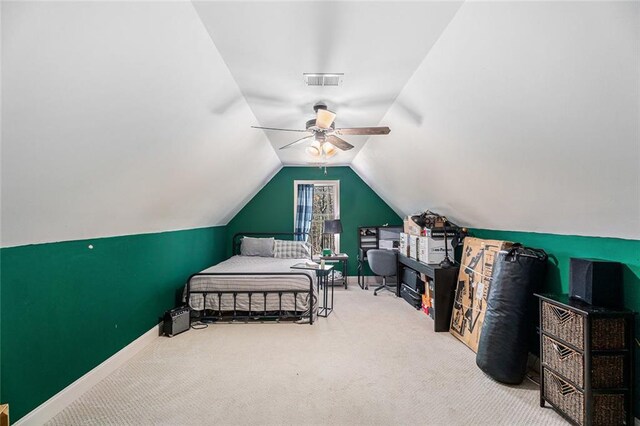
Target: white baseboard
[{"x": 48, "y": 409}]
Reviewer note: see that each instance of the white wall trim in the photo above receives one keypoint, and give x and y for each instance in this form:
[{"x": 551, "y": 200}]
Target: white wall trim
[{"x": 48, "y": 409}]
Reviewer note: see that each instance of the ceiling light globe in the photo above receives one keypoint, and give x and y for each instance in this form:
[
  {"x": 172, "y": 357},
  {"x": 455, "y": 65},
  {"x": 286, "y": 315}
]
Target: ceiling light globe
[
  {"x": 313, "y": 149},
  {"x": 329, "y": 149}
]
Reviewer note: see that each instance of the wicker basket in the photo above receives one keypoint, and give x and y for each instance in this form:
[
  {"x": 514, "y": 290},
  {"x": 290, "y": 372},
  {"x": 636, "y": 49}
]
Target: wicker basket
[
  {"x": 564, "y": 360},
  {"x": 607, "y": 371},
  {"x": 563, "y": 323},
  {"x": 608, "y": 333},
  {"x": 563, "y": 396},
  {"x": 608, "y": 409}
]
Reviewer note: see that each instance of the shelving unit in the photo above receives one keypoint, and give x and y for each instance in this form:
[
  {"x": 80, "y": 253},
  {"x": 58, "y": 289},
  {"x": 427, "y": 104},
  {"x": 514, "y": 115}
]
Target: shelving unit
[
  {"x": 369, "y": 237},
  {"x": 442, "y": 285},
  {"x": 586, "y": 361}
]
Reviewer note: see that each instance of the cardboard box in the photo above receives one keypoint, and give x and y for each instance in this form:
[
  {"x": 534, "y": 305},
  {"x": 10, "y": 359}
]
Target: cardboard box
[
  {"x": 410, "y": 227},
  {"x": 413, "y": 246},
  {"x": 474, "y": 281},
  {"x": 404, "y": 244},
  {"x": 431, "y": 250}
]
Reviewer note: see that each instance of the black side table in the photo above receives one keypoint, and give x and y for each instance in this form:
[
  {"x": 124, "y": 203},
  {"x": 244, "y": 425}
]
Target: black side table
[
  {"x": 339, "y": 257},
  {"x": 322, "y": 275}
]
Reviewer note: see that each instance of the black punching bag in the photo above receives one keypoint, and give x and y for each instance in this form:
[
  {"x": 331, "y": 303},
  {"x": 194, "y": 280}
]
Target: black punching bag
[{"x": 504, "y": 341}]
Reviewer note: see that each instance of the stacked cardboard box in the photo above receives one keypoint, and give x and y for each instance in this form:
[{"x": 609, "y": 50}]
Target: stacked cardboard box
[
  {"x": 432, "y": 250},
  {"x": 413, "y": 246},
  {"x": 404, "y": 244},
  {"x": 474, "y": 280},
  {"x": 411, "y": 228}
]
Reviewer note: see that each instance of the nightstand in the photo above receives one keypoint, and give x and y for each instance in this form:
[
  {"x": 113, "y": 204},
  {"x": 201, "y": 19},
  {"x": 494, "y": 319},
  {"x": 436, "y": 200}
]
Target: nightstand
[
  {"x": 339, "y": 257},
  {"x": 324, "y": 309}
]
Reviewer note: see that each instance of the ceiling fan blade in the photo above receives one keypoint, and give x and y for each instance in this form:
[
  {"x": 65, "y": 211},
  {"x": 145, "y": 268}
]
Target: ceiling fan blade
[
  {"x": 324, "y": 118},
  {"x": 363, "y": 131},
  {"x": 275, "y": 128},
  {"x": 296, "y": 142},
  {"x": 339, "y": 143}
]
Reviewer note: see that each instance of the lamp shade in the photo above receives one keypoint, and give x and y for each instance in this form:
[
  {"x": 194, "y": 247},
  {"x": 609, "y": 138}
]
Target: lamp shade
[{"x": 332, "y": 227}]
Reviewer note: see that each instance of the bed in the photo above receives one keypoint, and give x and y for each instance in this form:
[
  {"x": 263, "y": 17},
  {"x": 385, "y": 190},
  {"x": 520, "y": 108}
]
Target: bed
[{"x": 253, "y": 287}]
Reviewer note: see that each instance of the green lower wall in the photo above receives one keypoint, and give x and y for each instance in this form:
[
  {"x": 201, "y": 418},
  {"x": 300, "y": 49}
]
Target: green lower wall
[
  {"x": 66, "y": 308},
  {"x": 271, "y": 210},
  {"x": 563, "y": 247}
]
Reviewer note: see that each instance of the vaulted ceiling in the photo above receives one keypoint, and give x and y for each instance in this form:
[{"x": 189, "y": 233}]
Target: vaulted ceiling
[
  {"x": 131, "y": 117},
  {"x": 268, "y": 47}
]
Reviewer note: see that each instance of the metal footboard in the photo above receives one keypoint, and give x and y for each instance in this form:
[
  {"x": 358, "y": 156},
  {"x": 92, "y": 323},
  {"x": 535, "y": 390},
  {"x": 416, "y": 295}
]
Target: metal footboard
[{"x": 261, "y": 312}]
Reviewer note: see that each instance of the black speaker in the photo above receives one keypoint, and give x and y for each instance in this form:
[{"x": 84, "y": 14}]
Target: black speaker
[
  {"x": 596, "y": 282},
  {"x": 176, "y": 321}
]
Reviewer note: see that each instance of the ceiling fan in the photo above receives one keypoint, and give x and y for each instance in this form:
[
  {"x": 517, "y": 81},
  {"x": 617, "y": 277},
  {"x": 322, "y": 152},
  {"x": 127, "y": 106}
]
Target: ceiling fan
[{"x": 324, "y": 135}]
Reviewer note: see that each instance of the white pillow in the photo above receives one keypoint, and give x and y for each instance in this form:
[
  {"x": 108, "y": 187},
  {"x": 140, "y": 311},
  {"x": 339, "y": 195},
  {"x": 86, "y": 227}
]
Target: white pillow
[
  {"x": 262, "y": 247},
  {"x": 292, "y": 249}
]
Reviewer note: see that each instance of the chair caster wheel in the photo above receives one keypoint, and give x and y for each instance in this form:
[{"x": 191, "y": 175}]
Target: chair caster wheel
[{"x": 375, "y": 294}]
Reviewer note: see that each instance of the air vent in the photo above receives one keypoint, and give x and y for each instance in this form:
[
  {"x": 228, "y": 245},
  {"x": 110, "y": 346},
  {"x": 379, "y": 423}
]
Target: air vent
[{"x": 323, "y": 79}]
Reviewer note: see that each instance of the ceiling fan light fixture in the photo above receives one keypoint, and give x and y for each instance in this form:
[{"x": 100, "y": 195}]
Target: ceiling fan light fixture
[
  {"x": 325, "y": 118},
  {"x": 314, "y": 149},
  {"x": 329, "y": 150}
]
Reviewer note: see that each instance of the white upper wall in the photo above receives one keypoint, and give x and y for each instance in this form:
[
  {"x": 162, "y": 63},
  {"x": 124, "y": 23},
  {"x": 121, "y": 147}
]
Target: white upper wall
[
  {"x": 531, "y": 122},
  {"x": 108, "y": 126}
]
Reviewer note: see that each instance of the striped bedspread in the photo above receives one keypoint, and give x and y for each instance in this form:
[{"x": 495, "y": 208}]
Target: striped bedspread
[{"x": 252, "y": 283}]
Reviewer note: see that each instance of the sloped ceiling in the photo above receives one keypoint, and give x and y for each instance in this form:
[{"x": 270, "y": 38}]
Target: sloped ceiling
[
  {"x": 132, "y": 117},
  {"x": 269, "y": 45},
  {"x": 109, "y": 125},
  {"x": 531, "y": 121}
]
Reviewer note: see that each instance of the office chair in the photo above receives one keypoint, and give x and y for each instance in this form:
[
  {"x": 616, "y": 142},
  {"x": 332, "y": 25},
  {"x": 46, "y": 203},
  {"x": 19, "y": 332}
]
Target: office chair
[{"x": 383, "y": 263}]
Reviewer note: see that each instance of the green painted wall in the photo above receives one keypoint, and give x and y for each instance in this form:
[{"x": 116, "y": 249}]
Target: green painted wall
[
  {"x": 66, "y": 308},
  {"x": 271, "y": 210},
  {"x": 564, "y": 247}
]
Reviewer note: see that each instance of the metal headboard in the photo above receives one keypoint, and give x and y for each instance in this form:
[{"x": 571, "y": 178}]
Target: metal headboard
[{"x": 237, "y": 238}]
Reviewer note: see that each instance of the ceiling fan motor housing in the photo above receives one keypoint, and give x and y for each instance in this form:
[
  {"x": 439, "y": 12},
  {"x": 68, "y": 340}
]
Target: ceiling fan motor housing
[
  {"x": 319, "y": 105},
  {"x": 312, "y": 123}
]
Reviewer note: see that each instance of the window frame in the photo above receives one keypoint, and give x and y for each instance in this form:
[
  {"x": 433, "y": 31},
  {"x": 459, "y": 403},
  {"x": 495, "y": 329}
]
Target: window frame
[{"x": 336, "y": 189}]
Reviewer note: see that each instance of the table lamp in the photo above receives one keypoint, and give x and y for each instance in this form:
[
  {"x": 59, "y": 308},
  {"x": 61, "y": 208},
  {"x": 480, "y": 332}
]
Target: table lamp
[{"x": 330, "y": 227}]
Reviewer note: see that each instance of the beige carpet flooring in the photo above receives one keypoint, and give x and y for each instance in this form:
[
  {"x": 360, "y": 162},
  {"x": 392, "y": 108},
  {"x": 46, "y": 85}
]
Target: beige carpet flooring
[{"x": 375, "y": 360}]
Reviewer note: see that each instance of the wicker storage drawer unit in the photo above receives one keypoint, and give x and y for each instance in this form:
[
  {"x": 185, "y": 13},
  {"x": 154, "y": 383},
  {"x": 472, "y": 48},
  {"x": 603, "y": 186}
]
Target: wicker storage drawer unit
[
  {"x": 587, "y": 361},
  {"x": 563, "y": 323},
  {"x": 564, "y": 360},
  {"x": 564, "y": 396}
]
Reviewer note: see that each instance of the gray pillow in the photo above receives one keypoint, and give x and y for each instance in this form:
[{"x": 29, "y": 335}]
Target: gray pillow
[
  {"x": 292, "y": 249},
  {"x": 262, "y": 247}
]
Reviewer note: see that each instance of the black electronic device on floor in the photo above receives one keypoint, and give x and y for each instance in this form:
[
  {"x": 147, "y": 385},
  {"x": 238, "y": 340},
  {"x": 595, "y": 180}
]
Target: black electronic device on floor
[
  {"x": 596, "y": 282},
  {"x": 411, "y": 296},
  {"x": 176, "y": 321}
]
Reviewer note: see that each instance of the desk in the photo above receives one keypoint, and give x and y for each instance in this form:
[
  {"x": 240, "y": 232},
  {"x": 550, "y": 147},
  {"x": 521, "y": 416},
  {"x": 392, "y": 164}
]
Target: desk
[
  {"x": 323, "y": 283},
  {"x": 442, "y": 284},
  {"x": 339, "y": 257}
]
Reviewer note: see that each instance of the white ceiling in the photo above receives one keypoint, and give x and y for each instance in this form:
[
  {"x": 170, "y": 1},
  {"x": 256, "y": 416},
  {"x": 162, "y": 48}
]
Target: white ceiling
[
  {"x": 531, "y": 122},
  {"x": 107, "y": 123},
  {"x": 132, "y": 117},
  {"x": 268, "y": 46}
]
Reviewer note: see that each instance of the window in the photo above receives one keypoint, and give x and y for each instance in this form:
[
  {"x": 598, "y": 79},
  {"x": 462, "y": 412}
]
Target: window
[{"x": 325, "y": 206}]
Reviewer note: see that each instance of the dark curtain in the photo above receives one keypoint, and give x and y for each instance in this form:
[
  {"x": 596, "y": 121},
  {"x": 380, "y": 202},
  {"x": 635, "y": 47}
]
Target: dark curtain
[{"x": 304, "y": 211}]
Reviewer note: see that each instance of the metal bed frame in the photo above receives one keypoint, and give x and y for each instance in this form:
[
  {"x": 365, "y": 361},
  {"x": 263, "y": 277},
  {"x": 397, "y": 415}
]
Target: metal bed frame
[{"x": 260, "y": 314}]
